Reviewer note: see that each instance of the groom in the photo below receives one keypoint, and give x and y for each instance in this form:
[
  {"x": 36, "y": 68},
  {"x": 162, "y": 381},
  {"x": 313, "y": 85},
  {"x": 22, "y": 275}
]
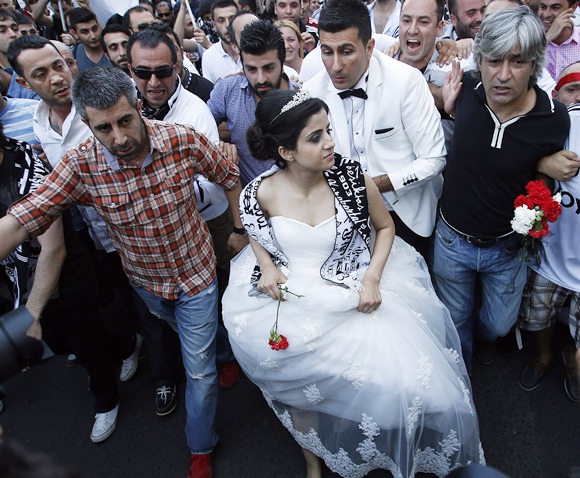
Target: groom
[{"x": 383, "y": 116}]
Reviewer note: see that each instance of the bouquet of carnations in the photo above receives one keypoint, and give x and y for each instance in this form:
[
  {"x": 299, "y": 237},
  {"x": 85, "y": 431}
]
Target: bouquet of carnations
[
  {"x": 278, "y": 341},
  {"x": 533, "y": 213}
]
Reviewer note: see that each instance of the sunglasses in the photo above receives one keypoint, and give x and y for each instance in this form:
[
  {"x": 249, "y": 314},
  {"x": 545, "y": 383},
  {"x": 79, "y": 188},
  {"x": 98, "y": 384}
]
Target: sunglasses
[
  {"x": 143, "y": 26},
  {"x": 160, "y": 73},
  {"x": 163, "y": 15}
]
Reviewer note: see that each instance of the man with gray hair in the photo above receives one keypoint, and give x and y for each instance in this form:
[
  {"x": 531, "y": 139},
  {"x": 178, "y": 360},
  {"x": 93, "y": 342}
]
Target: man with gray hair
[
  {"x": 504, "y": 125},
  {"x": 139, "y": 176}
]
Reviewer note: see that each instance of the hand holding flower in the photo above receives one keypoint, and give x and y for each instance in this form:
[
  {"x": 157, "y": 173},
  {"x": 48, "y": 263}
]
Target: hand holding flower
[{"x": 270, "y": 281}]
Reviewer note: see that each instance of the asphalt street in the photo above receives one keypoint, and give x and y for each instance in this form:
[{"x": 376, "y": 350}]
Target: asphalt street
[{"x": 48, "y": 408}]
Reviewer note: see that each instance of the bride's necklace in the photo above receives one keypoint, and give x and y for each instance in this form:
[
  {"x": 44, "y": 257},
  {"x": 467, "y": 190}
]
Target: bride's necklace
[{"x": 307, "y": 192}]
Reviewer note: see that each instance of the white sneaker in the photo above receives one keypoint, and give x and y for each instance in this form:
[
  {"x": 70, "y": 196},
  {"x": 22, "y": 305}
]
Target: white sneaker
[
  {"x": 105, "y": 424},
  {"x": 129, "y": 365}
]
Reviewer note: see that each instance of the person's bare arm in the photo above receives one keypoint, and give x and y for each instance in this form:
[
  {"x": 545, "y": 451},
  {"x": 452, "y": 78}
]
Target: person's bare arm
[
  {"x": 47, "y": 274},
  {"x": 370, "y": 295},
  {"x": 236, "y": 242},
  {"x": 452, "y": 87},
  {"x": 39, "y": 14},
  {"x": 12, "y": 234},
  {"x": 562, "y": 165}
]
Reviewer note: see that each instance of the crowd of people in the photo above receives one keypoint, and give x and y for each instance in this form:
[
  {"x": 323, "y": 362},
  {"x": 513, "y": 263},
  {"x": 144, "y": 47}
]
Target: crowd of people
[{"x": 320, "y": 195}]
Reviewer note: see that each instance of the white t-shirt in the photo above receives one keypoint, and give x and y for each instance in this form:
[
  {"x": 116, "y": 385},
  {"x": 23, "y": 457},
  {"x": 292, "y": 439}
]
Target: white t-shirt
[
  {"x": 561, "y": 264},
  {"x": 216, "y": 63}
]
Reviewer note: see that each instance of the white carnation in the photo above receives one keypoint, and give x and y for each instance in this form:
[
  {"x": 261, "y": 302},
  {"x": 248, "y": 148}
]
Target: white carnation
[
  {"x": 557, "y": 197},
  {"x": 523, "y": 219}
]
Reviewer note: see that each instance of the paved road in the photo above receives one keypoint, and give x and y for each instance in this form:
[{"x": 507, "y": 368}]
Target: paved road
[{"x": 527, "y": 435}]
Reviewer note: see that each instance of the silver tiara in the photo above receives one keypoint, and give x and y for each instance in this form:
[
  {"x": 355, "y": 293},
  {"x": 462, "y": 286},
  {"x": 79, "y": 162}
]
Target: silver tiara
[{"x": 298, "y": 98}]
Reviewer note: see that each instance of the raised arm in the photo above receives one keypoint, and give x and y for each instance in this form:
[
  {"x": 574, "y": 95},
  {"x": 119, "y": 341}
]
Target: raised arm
[{"x": 452, "y": 87}]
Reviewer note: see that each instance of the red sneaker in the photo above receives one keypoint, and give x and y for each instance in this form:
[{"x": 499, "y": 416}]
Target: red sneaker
[
  {"x": 229, "y": 375},
  {"x": 200, "y": 466}
]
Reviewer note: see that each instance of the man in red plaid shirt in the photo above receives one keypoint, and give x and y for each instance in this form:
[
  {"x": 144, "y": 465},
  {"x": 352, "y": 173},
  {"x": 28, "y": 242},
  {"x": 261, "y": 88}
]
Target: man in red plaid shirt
[{"x": 139, "y": 176}]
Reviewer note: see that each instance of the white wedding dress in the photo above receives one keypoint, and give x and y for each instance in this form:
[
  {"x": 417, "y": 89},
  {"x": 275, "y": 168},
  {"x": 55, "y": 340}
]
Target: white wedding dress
[{"x": 385, "y": 390}]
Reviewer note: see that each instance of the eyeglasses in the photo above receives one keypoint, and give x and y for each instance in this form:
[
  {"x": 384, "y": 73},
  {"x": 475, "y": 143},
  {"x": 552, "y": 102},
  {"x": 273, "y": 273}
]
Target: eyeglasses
[
  {"x": 160, "y": 73},
  {"x": 143, "y": 26},
  {"x": 163, "y": 15}
]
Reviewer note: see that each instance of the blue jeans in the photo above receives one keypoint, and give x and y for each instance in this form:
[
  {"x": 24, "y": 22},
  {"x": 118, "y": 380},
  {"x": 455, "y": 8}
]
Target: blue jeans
[
  {"x": 455, "y": 266},
  {"x": 195, "y": 320}
]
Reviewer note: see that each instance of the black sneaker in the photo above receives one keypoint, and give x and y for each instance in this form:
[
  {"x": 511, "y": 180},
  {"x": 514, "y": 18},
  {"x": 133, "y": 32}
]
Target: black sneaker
[
  {"x": 165, "y": 400},
  {"x": 533, "y": 374},
  {"x": 485, "y": 352},
  {"x": 571, "y": 384}
]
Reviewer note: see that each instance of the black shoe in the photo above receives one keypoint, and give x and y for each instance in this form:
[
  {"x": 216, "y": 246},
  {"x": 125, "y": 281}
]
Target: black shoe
[
  {"x": 571, "y": 384},
  {"x": 533, "y": 374},
  {"x": 165, "y": 400},
  {"x": 485, "y": 352},
  {"x": 72, "y": 361}
]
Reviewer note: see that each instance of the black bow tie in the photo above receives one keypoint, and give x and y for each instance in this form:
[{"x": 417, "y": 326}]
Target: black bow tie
[{"x": 358, "y": 92}]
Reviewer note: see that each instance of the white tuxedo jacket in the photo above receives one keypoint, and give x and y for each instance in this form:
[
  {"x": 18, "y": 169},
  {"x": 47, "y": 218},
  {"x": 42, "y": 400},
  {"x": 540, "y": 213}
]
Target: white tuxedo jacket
[{"x": 403, "y": 137}]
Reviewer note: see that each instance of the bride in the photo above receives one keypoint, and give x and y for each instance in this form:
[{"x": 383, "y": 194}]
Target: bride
[{"x": 335, "y": 319}]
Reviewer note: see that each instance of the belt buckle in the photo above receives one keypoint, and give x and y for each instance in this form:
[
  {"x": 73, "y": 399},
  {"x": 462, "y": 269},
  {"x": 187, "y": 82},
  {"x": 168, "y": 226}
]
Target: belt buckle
[{"x": 479, "y": 242}]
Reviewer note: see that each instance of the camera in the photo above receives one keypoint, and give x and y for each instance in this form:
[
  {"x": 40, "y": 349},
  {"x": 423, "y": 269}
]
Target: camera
[{"x": 17, "y": 350}]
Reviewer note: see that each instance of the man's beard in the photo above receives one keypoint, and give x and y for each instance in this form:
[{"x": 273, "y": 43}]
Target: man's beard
[{"x": 271, "y": 86}]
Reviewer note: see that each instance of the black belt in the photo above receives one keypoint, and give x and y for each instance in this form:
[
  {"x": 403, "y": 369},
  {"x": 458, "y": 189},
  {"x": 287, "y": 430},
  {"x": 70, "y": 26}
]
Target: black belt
[{"x": 476, "y": 241}]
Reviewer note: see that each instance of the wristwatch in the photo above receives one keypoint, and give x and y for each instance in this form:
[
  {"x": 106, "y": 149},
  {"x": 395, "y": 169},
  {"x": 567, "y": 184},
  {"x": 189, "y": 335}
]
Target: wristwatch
[{"x": 240, "y": 230}]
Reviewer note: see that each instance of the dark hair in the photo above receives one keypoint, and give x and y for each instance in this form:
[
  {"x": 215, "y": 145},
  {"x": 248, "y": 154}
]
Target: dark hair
[
  {"x": 231, "y": 32},
  {"x": 102, "y": 88},
  {"x": 151, "y": 39},
  {"x": 204, "y": 8},
  {"x": 166, "y": 30},
  {"x": 79, "y": 15},
  {"x": 26, "y": 42},
  {"x": 223, "y": 4},
  {"x": 127, "y": 15},
  {"x": 24, "y": 19},
  {"x": 340, "y": 15},
  {"x": 260, "y": 37},
  {"x": 6, "y": 14},
  {"x": 113, "y": 28},
  {"x": 273, "y": 129},
  {"x": 251, "y": 4},
  {"x": 441, "y": 9}
]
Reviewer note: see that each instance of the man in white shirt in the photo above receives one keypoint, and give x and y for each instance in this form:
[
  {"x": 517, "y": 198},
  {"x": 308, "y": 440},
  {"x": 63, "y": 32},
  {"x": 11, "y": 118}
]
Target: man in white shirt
[
  {"x": 59, "y": 128},
  {"x": 385, "y": 17},
  {"x": 221, "y": 59}
]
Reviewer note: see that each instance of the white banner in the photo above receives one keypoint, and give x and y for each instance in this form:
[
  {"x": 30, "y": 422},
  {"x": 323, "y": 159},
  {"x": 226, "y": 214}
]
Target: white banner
[{"x": 104, "y": 9}]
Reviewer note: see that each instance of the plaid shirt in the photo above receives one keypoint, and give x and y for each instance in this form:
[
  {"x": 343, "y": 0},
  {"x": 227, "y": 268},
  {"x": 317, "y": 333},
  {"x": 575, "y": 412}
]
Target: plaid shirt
[
  {"x": 150, "y": 211},
  {"x": 559, "y": 57}
]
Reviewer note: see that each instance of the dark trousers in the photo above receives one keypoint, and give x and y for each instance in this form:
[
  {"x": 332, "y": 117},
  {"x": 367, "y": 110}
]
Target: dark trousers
[
  {"x": 78, "y": 324},
  {"x": 418, "y": 242}
]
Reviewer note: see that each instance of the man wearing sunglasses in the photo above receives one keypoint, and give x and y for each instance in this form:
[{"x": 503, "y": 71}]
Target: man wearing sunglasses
[
  {"x": 165, "y": 13},
  {"x": 138, "y": 19}
]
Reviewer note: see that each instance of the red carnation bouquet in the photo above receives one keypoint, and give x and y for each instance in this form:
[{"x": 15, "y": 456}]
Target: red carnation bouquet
[
  {"x": 278, "y": 341},
  {"x": 533, "y": 213}
]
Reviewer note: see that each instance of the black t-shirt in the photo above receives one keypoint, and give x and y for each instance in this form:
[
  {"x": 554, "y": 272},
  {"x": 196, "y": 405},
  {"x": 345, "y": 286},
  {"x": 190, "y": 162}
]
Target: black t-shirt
[
  {"x": 489, "y": 163},
  {"x": 22, "y": 172}
]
